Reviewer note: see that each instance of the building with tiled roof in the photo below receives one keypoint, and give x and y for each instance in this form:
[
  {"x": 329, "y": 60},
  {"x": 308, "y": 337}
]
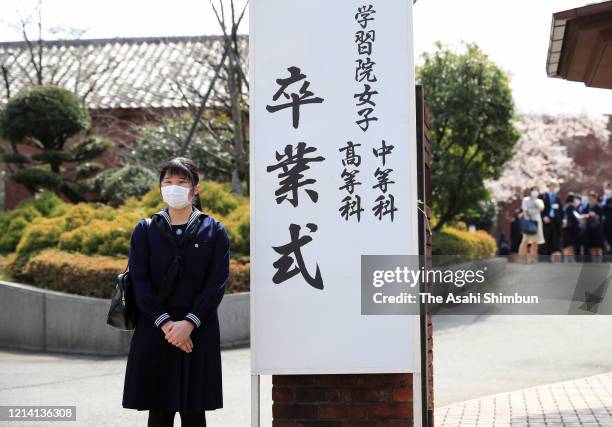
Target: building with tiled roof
[
  {"x": 125, "y": 82},
  {"x": 118, "y": 73}
]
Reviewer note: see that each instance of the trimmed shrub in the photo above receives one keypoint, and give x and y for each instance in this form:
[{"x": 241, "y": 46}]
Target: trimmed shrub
[
  {"x": 240, "y": 277},
  {"x": 97, "y": 229},
  {"x": 13, "y": 223},
  {"x": 74, "y": 273},
  {"x": 454, "y": 241},
  {"x": 48, "y": 113},
  {"x": 216, "y": 198},
  {"x": 117, "y": 185},
  {"x": 42, "y": 234},
  {"x": 95, "y": 275},
  {"x": 237, "y": 224}
]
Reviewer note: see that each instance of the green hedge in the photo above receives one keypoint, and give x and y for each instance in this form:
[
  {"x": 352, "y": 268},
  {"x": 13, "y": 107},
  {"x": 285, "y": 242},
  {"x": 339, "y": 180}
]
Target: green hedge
[
  {"x": 454, "y": 241},
  {"x": 95, "y": 275},
  {"x": 80, "y": 248},
  {"x": 96, "y": 229}
]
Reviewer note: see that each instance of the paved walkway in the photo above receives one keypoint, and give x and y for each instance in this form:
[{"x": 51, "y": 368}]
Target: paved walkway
[{"x": 581, "y": 402}]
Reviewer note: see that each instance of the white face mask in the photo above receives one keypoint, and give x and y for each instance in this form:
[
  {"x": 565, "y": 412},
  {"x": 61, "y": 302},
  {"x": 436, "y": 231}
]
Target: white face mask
[
  {"x": 534, "y": 194},
  {"x": 176, "y": 196}
]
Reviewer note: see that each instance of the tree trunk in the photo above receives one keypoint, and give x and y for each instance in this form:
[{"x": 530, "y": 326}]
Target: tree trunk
[{"x": 235, "y": 96}]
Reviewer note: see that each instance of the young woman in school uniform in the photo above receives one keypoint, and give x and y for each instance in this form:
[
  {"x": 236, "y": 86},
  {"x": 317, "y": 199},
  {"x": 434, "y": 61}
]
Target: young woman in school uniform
[
  {"x": 179, "y": 266},
  {"x": 570, "y": 231},
  {"x": 595, "y": 237}
]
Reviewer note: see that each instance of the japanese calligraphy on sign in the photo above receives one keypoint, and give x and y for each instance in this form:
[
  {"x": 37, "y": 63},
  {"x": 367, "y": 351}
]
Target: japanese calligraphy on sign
[{"x": 333, "y": 158}]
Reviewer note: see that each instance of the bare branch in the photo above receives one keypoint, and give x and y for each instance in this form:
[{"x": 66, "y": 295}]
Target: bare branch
[{"x": 203, "y": 105}]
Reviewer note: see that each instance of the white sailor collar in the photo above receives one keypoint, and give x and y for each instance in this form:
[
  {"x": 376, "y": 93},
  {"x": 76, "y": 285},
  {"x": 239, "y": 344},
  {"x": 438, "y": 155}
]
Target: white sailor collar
[{"x": 195, "y": 213}]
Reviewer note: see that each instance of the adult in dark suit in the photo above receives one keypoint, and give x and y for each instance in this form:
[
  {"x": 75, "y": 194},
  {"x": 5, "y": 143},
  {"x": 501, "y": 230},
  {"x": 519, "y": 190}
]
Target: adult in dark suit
[
  {"x": 606, "y": 204},
  {"x": 179, "y": 266},
  {"x": 515, "y": 232},
  {"x": 552, "y": 218},
  {"x": 570, "y": 232}
]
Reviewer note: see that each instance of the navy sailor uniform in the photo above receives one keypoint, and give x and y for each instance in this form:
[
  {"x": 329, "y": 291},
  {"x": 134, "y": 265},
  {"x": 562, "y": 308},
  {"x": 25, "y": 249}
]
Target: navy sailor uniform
[{"x": 158, "y": 374}]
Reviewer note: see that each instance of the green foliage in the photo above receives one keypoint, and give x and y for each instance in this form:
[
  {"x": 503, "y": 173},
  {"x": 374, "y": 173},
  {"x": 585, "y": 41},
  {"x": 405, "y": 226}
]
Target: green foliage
[
  {"x": 15, "y": 158},
  {"x": 46, "y": 221},
  {"x": 117, "y": 185},
  {"x": 90, "y": 148},
  {"x": 454, "y": 241},
  {"x": 472, "y": 130},
  {"x": 237, "y": 224},
  {"x": 94, "y": 275},
  {"x": 482, "y": 215},
  {"x": 74, "y": 273},
  {"x": 210, "y": 147},
  {"x": 36, "y": 178},
  {"x": 88, "y": 169},
  {"x": 43, "y": 233},
  {"x": 53, "y": 157},
  {"x": 45, "y": 117},
  {"x": 217, "y": 198},
  {"x": 80, "y": 248},
  {"x": 13, "y": 222},
  {"x": 50, "y": 114},
  {"x": 100, "y": 236}
]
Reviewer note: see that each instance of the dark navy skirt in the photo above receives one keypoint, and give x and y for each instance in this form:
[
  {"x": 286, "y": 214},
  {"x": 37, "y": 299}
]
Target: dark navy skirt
[{"x": 161, "y": 376}]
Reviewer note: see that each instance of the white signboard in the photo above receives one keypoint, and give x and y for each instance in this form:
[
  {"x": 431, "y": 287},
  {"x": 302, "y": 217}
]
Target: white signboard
[{"x": 333, "y": 176}]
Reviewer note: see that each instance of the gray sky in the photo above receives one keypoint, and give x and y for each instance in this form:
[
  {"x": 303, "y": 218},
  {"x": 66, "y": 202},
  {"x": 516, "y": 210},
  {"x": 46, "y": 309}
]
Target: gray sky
[{"x": 514, "y": 33}]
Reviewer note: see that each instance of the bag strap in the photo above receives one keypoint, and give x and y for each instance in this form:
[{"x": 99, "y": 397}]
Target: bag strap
[{"x": 148, "y": 224}]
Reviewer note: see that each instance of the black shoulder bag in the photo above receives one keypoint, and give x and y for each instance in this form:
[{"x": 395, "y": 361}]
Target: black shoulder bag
[{"x": 123, "y": 310}]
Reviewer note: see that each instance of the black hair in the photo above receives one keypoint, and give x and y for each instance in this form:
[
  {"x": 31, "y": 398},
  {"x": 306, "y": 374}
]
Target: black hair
[
  {"x": 185, "y": 168},
  {"x": 570, "y": 198}
]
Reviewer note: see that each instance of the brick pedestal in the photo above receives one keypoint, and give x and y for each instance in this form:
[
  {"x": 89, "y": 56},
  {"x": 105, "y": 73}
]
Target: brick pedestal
[{"x": 342, "y": 400}]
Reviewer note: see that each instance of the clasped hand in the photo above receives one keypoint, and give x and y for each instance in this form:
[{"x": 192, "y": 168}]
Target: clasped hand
[{"x": 178, "y": 334}]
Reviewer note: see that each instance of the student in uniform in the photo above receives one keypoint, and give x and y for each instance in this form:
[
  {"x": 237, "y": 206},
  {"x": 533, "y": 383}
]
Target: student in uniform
[
  {"x": 179, "y": 267},
  {"x": 595, "y": 239},
  {"x": 570, "y": 239},
  {"x": 606, "y": 204},
  {"x": 515, "y": 232},
  {"x": 582, "y": 249}
]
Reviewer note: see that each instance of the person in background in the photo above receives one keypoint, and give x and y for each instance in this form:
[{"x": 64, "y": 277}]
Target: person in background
[
  {"x": 515, "y": 232},
  {"x": 582, "y": 249},
  {"x": 503, "y": 246},
  {"x": 584, "y": 201},
  {"x": 570, "y": 232},
  {"x": 532, "y": 207},
  {"x": 594, "y": 232},
  {"x": 606, "y": 204},
  {"x": 552, "y": 217}
]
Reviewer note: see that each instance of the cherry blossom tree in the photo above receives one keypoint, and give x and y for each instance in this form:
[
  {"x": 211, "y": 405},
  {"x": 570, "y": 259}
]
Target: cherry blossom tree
[{"x": 541, "y": 155}]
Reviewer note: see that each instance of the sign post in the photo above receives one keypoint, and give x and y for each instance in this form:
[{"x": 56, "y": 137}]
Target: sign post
[{"x": 333, "y": 177}]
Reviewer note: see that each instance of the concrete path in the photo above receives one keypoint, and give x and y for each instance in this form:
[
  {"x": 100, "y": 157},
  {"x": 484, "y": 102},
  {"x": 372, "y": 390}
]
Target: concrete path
[
  {"x": 475, "y": 356},
  {"x": 581, "y": 402},
  {"x": 95, "y": 386}
]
